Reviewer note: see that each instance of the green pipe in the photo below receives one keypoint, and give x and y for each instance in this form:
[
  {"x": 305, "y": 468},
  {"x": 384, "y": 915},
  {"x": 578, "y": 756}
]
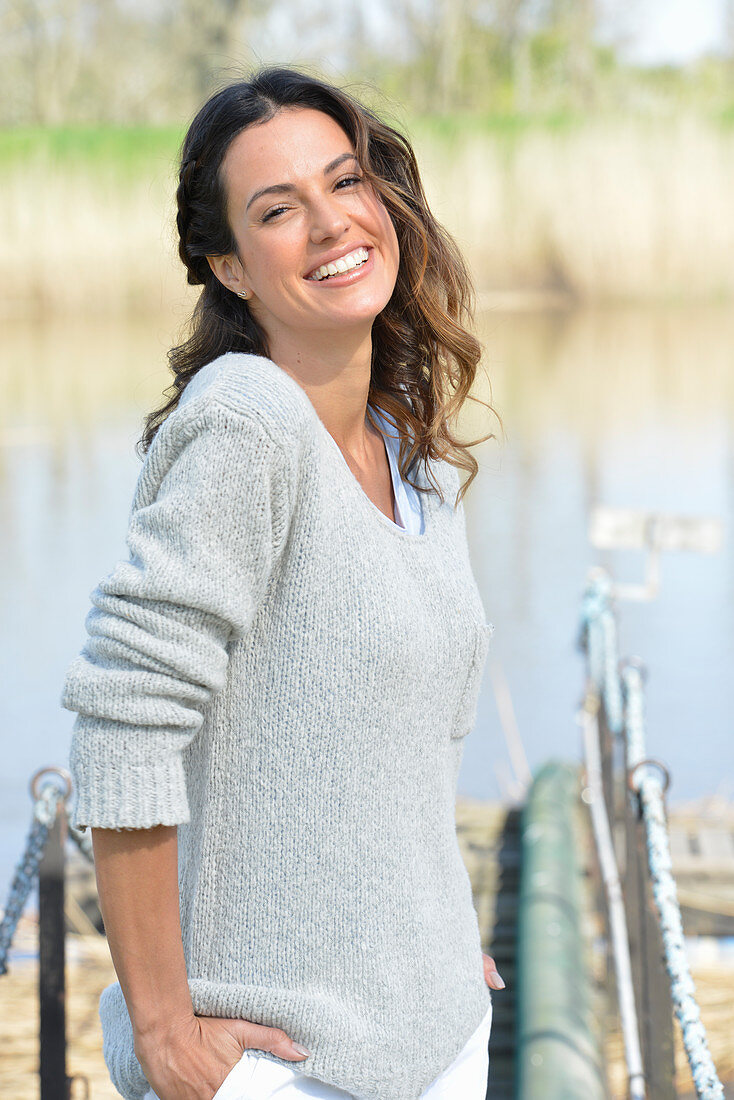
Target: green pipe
[{"x": 557, "y": 1051}]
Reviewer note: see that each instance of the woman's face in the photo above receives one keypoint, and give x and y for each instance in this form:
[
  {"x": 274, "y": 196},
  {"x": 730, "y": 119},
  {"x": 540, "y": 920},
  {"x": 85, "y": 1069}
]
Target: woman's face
[{"x": 296, "y": 200}]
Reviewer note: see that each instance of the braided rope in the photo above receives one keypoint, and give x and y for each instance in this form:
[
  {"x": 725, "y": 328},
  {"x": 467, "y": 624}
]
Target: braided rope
[
  {"x": 45, "y": 809},
  {"x": 647, "y": 783}
]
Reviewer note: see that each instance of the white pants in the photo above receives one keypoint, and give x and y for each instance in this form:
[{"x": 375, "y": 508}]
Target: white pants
[{"x": 258, "y": 1078}]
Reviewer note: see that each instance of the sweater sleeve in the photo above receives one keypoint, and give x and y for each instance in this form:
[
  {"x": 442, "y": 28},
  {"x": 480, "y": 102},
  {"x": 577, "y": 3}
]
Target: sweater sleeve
[{"x": 207, "y": 526}]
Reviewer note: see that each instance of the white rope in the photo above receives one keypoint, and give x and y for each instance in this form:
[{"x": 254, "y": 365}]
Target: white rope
[{"x": 647, "y": 784}]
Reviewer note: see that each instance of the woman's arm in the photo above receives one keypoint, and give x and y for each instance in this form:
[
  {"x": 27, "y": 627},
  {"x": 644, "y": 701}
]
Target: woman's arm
[
  {"x": 208, "y": 525},
  {"x": 137, "y": 881},
  {"x": 182, "y": 1055}
]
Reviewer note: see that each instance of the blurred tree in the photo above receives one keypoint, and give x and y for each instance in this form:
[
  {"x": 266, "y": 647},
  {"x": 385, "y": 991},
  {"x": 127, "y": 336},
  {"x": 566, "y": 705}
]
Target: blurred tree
[
  {"x": 729, "y": 34},
  {"x": 202, "y": 38},
  {"x": 513, "y": 24},
  {"x": 154, "y": 61},
  {"x": 451, "y": 26},
  {"x": 576, "y": 23},
  {"x": 43, "y": 43}
]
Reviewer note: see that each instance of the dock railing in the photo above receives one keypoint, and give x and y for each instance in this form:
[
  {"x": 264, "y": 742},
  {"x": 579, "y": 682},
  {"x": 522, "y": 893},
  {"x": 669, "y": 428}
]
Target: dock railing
[
  {"x": 631, "y": 799},
  {"x": 43, "y": 861}
]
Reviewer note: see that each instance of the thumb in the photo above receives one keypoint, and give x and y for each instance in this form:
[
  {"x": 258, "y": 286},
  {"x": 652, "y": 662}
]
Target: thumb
[{"x": 274, "y": 1039}]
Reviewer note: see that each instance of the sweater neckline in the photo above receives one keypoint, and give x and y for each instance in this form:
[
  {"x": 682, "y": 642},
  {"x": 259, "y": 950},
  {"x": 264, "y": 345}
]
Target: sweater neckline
[
  {"x": 427, "y": 499},
  {"x": 397, "y": 530}
]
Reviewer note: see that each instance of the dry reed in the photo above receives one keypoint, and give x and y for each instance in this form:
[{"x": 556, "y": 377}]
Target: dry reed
[{"x": 620, "y": 210}]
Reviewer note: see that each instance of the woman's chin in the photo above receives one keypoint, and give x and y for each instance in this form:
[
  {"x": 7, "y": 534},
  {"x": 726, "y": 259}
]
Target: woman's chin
[
  {"x": 345, "y": 313},
  {"x": 329, "y": 312}
]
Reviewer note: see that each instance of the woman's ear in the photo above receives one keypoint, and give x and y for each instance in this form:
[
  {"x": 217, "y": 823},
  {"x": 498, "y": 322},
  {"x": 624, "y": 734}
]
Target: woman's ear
[{"x": 228, "y": 270}]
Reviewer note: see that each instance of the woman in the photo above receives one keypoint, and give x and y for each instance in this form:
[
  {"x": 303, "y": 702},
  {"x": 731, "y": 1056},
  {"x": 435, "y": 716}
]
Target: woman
[{"x": 275, "y": 688}]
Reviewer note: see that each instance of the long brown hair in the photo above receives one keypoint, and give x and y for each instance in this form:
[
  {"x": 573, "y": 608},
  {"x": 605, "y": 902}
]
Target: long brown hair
[{"x": 424, "y": 358}]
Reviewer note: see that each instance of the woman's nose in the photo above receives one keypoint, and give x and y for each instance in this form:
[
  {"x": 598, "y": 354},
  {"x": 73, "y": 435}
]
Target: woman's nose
[{"x": 328, "y": 218}]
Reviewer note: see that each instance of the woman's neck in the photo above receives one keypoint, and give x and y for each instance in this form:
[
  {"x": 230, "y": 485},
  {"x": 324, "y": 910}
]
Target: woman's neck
[{"x": 336, "y": 378}]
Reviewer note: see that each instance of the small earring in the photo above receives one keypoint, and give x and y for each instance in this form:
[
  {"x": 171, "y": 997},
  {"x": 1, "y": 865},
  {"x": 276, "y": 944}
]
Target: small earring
[{"x": 242, "y": 294}]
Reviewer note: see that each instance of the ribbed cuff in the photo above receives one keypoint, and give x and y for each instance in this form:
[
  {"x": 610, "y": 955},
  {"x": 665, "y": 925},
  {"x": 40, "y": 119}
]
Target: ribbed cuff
[{"x": 125, "y": 782}]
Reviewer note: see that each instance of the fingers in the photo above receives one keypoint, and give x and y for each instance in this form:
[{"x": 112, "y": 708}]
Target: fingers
[
  {"x": 491, "y": 973},
  {"x": 275, "y": 1040}
]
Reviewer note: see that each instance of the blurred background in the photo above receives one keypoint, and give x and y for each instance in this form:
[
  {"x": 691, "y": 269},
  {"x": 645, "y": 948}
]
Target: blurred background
[{"x": 582, "y": 154}]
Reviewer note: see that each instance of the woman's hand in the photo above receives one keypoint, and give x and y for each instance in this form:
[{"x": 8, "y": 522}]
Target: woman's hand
[
  {"x": 491, "y": 974},
  {"x": 189, "y": 1059}
]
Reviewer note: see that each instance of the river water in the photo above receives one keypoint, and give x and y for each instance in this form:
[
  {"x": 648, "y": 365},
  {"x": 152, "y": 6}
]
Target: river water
[{"x": 628, "y": 408}]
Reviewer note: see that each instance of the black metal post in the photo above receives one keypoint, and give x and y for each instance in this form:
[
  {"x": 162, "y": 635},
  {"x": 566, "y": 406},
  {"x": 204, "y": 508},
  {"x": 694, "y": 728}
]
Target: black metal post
[{"x": 52, "y": 964}]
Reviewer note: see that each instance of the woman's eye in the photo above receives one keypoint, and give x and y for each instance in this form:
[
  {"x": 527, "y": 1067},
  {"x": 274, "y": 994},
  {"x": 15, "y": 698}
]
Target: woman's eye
[
  {"x": 271, "y": 213},
  {"x": 279, "y": 209}
]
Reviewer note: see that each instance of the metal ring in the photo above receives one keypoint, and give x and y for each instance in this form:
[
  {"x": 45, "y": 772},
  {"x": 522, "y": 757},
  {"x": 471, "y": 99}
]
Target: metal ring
[
  {"x": 633, "y": 662},
  {"x": 60, "y": 773},
  {"x": 647, "y": 763}
]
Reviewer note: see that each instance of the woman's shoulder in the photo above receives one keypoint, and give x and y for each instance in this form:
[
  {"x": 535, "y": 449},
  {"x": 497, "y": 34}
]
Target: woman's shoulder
[
  {"x": 254, "y": 387},
  {"x": 240, "y": 406}
]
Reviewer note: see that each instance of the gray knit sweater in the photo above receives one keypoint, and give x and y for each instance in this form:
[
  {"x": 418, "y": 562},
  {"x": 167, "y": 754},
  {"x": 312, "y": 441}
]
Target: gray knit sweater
[{"x": 288, "y": 676}]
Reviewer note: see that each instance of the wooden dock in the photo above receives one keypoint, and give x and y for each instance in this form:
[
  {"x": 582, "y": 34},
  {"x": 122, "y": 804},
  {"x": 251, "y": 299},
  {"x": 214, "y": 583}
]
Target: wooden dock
[
  {"x": 489, "y": 838},
  {"x": 702, "y": 851}
]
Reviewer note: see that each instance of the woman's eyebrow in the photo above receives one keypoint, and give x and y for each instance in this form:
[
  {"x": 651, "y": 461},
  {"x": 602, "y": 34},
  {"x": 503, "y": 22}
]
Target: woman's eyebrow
[{"x": 278, "y": 188}]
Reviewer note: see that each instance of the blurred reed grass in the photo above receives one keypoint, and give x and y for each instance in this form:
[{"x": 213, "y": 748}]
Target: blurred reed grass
[{"x": 607, "y": 210}]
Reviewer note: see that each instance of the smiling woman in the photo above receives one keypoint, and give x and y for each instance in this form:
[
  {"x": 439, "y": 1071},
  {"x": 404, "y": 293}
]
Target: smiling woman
[
  {"x": 325, "y": 213},
  {"x": 276, "y": 687},
  {"x": 266, "y": 166}
]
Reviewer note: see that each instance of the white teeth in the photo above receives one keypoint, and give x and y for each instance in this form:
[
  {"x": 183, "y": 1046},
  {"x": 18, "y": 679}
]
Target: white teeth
[{"x": 344, "y": 263}]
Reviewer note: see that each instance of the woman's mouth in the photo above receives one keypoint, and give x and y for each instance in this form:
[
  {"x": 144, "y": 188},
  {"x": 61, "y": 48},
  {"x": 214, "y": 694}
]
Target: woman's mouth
[{"x": 344, "y": 270}]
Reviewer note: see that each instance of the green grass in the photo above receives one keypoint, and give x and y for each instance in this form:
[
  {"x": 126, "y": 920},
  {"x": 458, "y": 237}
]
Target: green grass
[
  {"x": 725, "y": 117},
  {"x": 130, "y": 146},
  {"x": 493, "y": 125},
  {"x": 90, "y": 146}
]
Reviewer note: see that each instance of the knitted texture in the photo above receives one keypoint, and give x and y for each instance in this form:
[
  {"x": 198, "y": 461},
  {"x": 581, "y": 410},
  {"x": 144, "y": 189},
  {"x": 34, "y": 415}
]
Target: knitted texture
[{"x": 288, "y": 676}]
